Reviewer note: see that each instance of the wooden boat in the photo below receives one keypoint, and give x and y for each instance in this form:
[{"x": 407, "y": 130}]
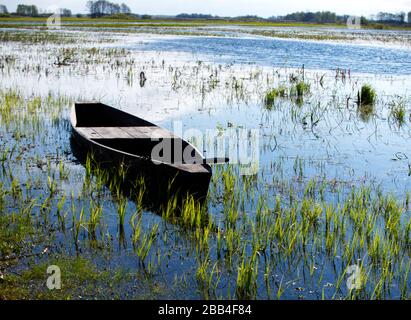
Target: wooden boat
[{"x": 114, "y": 137}]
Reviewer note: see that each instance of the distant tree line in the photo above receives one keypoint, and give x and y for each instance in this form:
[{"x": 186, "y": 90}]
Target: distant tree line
[
  {"x": 330, "y": 17},
  {"x": 27, "y": 10},
  {"x": 249, "y": 18},
  {"x": 97, "y": 8},
  {"x": 391, "y": 17},
  {"x": 308, "y": 17},
  {"x": 144, "y": 16},
  {"x": 31, "y": 11},
  {"x": 3, "y": 9},
  {"x": 65, "y": 12},
  {"x": 311, "y": 17},
  {"x": 102, "y": 8},
  {"x": 194, "y": 16}
]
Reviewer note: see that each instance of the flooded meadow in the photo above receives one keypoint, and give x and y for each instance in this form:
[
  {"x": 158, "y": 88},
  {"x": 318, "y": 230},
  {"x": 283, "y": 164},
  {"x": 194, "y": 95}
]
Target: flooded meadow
[{"x": 328, "y": 196}]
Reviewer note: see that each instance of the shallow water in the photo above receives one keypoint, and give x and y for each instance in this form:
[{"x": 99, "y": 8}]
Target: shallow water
[{"x": 291, "y": 54}]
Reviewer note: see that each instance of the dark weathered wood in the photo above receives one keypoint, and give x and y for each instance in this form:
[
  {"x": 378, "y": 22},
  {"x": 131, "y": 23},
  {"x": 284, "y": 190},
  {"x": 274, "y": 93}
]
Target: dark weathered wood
[
  {"x": 152, "y": 132},
  {"x": 112, "y": 133},
  {"x": 124, "y": 136},
  {"x": 89, "y": 133},
  {"x": 126, "y": 133},
  {"x": 136, "y": 132},
  {"x": 192, "y": 168}
]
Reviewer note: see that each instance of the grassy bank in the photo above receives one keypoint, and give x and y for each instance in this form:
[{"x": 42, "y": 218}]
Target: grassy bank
[{"x": 125, "y": 23}]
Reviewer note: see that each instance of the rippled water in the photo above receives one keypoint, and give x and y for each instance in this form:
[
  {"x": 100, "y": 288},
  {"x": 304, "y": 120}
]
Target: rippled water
[{"x": 292, "y": 53}]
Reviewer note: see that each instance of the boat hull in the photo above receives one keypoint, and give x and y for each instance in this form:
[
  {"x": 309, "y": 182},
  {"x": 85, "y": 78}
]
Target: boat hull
[{"x": 162, "y": 180}]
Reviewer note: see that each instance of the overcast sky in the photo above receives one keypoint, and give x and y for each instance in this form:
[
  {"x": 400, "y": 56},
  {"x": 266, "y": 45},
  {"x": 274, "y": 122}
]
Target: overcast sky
[{"x": 264, "y": 8}]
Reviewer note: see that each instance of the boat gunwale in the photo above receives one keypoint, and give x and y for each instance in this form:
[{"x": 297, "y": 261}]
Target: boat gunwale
[{"x": 73, "y": 119}]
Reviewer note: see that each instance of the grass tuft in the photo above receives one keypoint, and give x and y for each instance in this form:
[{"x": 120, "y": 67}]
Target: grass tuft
[{"x": 368, "y": 96}]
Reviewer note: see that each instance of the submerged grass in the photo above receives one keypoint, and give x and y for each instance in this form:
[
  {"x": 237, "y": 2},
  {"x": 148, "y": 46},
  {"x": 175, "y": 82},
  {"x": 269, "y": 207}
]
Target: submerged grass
[
  {"x": 80, "y": 279},
  {"x": 270, "y": 97},
  {"x": 298, "y": 89},
  {"x": 398, "y": 112},
  {"x": 38, "y": 37},
  {"x": 232, "y": 247},
  {"x": 367, "y": 96}
]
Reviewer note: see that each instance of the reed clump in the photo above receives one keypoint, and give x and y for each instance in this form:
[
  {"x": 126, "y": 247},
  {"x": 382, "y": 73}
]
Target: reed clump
[
  {"x": 271, "y": 95},
  {"x": 367, "y": 96},
  {"x": 301, "y": 88},
  {"x": 398, "y": 112}
]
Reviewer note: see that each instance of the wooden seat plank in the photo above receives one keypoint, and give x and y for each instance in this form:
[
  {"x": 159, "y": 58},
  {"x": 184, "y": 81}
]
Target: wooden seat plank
[
  {"x": 127, "y": 133},
  {"x": 89, "y": 133},
  {"x": 136, "y": 133},
  {"x": 150, "y": 132},
  {"x": 112, "y": 133}
]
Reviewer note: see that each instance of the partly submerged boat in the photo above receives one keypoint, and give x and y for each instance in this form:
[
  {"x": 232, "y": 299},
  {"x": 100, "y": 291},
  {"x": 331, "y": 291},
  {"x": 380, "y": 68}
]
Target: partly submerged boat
[{"x": 113, "y": 136}]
